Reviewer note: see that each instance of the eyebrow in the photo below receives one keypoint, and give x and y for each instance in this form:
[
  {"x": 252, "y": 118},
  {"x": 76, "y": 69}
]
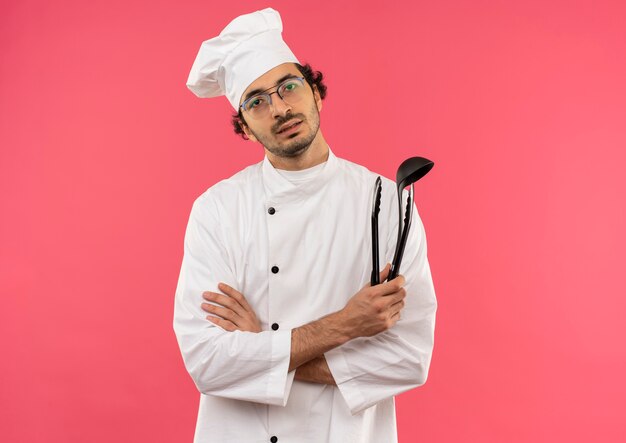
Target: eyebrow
[{"x": 278, "y": 82}]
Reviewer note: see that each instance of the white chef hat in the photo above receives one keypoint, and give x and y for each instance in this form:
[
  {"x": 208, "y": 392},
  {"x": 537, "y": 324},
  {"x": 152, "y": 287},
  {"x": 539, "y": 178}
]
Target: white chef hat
[{"x": 247, "y": 48}]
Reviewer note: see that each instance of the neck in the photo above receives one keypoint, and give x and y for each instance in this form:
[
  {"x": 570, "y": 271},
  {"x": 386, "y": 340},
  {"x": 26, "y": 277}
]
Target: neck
[{"x": 316, "y": 154}]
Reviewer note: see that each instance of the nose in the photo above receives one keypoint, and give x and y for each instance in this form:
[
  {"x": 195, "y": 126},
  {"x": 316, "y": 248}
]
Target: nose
[{"x": 279, "y": 107}]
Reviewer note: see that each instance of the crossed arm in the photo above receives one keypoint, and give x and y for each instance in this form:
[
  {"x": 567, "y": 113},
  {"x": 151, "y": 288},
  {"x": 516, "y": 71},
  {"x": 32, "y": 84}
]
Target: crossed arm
[{"x": 371, "y": 311}]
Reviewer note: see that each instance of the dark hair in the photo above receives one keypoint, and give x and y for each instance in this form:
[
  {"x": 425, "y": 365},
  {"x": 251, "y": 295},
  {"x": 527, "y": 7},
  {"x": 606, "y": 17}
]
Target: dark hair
[{"x": 313, "y": 78}]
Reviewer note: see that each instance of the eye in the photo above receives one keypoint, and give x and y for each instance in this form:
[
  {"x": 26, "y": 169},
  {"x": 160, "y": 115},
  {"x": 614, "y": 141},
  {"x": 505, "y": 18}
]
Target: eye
[
  {"x": 290, "y": 86},
  {"x": 255, "y": 102}
]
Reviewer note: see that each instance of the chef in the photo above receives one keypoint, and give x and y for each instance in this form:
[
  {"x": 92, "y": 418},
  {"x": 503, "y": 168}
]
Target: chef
[{"x": 277, "y": 324}]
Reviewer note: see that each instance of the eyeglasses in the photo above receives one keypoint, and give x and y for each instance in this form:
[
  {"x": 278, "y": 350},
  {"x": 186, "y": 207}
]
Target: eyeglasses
[{"x": 290, "y": 91}]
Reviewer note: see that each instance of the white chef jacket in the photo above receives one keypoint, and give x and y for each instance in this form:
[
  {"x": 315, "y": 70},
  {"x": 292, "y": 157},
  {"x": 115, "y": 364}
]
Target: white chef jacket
[{"x": 295, "y": 263}]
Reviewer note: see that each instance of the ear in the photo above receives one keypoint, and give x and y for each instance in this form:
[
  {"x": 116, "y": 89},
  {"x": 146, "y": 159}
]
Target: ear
[
  {"x": 247, "y": 131},
  {"x": 317, "y": 97}
]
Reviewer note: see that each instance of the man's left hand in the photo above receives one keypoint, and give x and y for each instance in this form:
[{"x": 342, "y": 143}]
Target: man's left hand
[{"x": 233, "y": 313}]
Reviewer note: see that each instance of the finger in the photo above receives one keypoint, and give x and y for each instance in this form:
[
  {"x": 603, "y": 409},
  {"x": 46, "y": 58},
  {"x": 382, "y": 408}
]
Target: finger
[
  {"x": 233, "y": 293},
  {"x": 225, "y": 301},
  {"x": 394, "y": 285},
  {"x": 222, "y": 312},
  {"x": 400, "y": 280},
  {"x": 209, "y": 296},
  {"x": 385, "y": 272},
  {"x": 388, "y": 288},
  {"x": 224, "y": 324},
  {"x": 383, "y": 275},
  {"x": 395, "y": 297},
  {"x": 397, "y": 306},
  {"x": 385, "y": 287}
]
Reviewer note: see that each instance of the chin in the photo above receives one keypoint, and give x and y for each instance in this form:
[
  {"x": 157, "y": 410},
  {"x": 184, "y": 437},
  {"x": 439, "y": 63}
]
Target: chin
[
  {"x": 292, "y": 151},
  {"x": 294, "y": 146}
]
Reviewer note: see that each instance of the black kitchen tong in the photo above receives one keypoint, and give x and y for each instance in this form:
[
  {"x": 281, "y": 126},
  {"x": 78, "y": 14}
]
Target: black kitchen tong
[
  {"x": 378, "y": 191},
  {"x": 410, "y": 171}
]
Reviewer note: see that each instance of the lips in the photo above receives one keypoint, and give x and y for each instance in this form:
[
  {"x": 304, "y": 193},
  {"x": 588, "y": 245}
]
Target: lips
[{"x": 288, "y": 126}]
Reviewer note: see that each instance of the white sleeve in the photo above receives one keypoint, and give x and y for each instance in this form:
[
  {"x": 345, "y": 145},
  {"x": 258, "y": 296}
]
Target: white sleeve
[
  {"x": 238, "y": 365},
  {"x": 370, "y": 369}
]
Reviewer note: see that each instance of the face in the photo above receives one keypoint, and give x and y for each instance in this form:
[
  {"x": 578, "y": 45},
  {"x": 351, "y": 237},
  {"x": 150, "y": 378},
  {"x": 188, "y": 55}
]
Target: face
[{"x": 287, "y": 130}]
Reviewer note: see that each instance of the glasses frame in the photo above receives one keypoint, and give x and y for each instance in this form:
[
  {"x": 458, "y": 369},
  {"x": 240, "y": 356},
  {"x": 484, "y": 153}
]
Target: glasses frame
[{"x": 268, "y": 95}]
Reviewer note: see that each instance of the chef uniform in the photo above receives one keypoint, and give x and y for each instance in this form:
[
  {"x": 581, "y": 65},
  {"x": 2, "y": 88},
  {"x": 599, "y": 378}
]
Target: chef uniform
[{"x": 297, "y": 244}]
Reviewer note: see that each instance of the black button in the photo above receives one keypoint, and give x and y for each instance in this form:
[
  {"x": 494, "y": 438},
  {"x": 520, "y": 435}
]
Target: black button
[
  {"x": 271, "y": 211},
  {"x": 275, "y": 269},
  {"x": 275, "y": 326},
  {"x": 274, "y": 439}
]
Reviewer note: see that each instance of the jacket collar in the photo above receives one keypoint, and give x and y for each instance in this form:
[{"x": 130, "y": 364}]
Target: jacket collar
[{"x": 279, "y": 189}]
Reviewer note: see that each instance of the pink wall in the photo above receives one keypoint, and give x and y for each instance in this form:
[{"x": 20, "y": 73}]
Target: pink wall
[{"x": 103, "y": 150}]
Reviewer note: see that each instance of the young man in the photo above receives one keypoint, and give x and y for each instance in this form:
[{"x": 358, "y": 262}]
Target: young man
[{"x": 276, "y": 324}]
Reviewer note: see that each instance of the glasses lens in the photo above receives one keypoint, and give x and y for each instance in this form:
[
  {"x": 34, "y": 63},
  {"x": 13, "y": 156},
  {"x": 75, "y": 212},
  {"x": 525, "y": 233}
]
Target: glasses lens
[
  {"x": 291, "y": 90},
  {"x": 257, "y": 105}
]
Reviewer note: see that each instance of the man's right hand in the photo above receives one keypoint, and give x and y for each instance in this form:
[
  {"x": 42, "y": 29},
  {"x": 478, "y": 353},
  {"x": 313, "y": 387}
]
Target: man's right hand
[
  {"x": 370, "y": 311},
  {"x": 374, "y": 309}
]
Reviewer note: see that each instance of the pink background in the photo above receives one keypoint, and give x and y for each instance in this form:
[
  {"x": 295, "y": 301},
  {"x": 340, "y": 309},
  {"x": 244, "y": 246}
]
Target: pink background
[{"x": 103, "y": 149}]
